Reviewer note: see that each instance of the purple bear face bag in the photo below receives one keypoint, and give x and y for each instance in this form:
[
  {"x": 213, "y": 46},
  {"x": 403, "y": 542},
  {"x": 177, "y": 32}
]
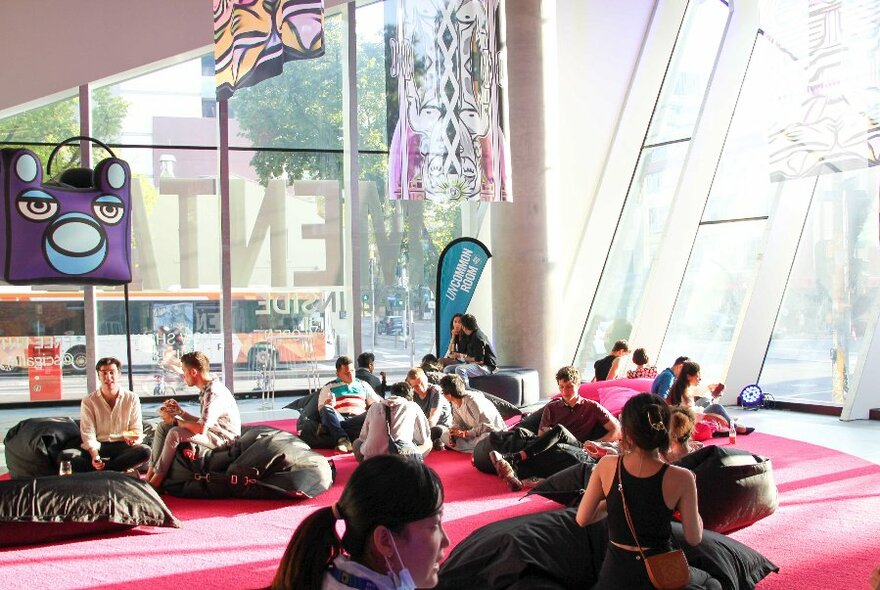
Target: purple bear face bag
[{"x": 63, "y": 234}]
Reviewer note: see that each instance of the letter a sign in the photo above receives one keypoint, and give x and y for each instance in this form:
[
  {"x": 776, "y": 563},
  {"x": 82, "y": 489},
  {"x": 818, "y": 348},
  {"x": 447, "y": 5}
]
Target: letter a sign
[{"x": 458, "y": 272}]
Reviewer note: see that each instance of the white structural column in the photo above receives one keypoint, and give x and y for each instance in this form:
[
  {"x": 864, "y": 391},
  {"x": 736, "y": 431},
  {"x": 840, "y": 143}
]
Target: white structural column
[
  {"x": 864, "y": 393},
  {"x": 692, "y": 192},
  {"x": 519, "y": 265},
  {"x": 570, "y": 67}
]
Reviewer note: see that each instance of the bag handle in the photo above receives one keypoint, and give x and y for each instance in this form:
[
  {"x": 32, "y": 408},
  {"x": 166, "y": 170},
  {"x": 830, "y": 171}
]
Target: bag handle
[{"x": 72, "y": 139}]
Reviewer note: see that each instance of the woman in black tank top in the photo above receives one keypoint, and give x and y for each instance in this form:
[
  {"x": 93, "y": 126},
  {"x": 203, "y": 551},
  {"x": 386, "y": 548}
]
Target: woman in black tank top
[{"x": 653, "y": 490}]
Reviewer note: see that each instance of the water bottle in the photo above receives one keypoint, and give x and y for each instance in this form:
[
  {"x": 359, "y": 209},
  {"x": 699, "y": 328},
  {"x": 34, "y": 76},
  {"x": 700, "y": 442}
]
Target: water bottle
[{"x": 732, "y": 431}]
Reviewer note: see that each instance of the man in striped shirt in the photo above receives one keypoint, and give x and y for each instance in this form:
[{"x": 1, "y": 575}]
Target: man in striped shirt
[{"x": 343, "y": 404}]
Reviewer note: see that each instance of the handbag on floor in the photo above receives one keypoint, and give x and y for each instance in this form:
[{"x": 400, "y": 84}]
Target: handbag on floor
[{"x": 667, "y": 571}]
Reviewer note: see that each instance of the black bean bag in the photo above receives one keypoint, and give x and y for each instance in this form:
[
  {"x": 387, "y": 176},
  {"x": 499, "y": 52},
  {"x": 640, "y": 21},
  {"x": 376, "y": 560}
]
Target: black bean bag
[
  {"x": 734, "y": 487},
  {"x": 307, "y": 406},
  {"x": 34, "y": 445},
  {"x": 263, "y": 463},
  {"x": 549, "y": 550},
  {"x": 48, "y": 509}
]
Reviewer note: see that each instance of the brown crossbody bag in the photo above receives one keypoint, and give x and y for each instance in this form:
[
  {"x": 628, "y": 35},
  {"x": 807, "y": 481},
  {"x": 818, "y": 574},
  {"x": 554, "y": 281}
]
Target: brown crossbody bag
[{"x": 667, "y": 571}]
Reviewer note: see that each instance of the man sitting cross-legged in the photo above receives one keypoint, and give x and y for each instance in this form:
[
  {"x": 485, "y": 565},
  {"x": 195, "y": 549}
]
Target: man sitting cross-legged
[
  {"x": 568, "y": 420},
  {"x": 343, "y": 403}
]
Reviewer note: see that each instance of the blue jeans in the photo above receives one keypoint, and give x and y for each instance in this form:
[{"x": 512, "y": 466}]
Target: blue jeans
[
  {"x": 471, "y": 370},
  {"x": 333, "y": 421}
]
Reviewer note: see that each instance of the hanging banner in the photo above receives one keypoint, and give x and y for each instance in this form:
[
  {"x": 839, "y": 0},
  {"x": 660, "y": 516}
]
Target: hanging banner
[
  {"x": 458, "y": 272},
  {"x": 253, "y": 40},
  {"x": 449, "y": 143},
  {"x": 826, "y": 88}
]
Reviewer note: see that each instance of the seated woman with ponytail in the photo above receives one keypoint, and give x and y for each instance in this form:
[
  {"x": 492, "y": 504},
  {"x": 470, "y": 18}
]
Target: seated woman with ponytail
[
  {"x": 681, "y": 430},
  {"x": 394, "y": 538},
  {"x": 651, "y": 491}
]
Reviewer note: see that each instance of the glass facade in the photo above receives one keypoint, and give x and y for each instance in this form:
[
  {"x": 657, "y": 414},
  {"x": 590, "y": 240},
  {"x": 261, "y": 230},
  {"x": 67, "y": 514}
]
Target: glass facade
[
  {"x": 319, "y": 269},
  {"x": 643, "y": 220}
]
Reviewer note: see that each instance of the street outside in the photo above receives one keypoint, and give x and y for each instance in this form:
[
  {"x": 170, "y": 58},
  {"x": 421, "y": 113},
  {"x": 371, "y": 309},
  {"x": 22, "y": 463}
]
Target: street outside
[{"x": 393, "y": 355}]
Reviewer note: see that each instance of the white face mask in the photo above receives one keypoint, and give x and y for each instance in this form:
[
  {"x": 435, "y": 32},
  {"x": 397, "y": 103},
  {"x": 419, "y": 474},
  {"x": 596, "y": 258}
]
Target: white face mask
[{"x": 403, "y": 579}]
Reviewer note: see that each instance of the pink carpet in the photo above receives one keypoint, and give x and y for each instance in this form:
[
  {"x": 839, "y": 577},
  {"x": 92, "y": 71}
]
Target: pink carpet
[{"x": 824, "y": 535}]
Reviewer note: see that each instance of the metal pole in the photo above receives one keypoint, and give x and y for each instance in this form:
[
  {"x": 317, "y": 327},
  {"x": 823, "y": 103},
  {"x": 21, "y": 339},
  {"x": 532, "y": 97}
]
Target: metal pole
[{"x": 373, "y": 319}]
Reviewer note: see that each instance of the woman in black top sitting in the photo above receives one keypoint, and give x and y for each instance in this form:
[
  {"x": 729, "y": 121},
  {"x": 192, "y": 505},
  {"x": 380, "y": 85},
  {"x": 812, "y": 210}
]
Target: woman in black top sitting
[
  {"x": 607, "y": 368},
  {"x": 654, "y": 490}
]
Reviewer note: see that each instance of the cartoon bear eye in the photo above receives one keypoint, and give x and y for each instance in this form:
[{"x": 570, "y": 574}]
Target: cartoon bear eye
[
  {"x": 37, "y": 205},
  {"x": 109, "y": 209}
]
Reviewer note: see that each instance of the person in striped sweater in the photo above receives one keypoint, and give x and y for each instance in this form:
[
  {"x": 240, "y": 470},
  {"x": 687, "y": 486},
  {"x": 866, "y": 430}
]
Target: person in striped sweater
[{"x": 343, "y": 404}]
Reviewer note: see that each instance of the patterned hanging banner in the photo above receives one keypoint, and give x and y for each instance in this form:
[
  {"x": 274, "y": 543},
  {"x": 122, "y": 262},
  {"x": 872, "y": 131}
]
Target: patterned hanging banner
[
  {"x": 827, "y": 87},
  {"x": 254, "y": 38},
  {"x": 448, "y": 144}
]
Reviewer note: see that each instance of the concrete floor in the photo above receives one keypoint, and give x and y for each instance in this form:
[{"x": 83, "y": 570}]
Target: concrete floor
[{"x": 860, "y": 438}]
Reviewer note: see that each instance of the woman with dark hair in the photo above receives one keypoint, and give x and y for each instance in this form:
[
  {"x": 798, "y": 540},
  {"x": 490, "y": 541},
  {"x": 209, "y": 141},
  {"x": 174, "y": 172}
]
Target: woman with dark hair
[
  {"x": 393, "y": 540},
  {"x": 457, "y": 346},
  {"x": 642, "y": 370},
  {"x": 652, "y": 490},
  {"x": 684, "y": 393}
]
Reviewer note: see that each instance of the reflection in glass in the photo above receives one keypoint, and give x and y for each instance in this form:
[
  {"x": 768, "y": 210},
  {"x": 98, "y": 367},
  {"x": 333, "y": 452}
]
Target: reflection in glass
[
  {"x": 50, "y": 123},
  {"x": 169, "y": 106},
  {"x": 289, "y": 290},
  {"x": 42, "y": 346},
  {"x": 301, "y": 108},
  {"x": 713, "y": 295},
  {"x": 742, "y": 185},
  {"x": 632, "y": 254},
  {"x": 831, "y": 298},
  {"x": 682, "y": 96}
]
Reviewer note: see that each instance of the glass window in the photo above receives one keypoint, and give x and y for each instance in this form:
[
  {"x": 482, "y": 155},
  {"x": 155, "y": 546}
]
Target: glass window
[
  {"x": 290, "y": 294},
  {"x": 163, "y": 107},
  {"x": 299, "y": 109},
  {"x": 47, "y": 124},
  {"x": 715, "y": 290},
  {"x": 42, "y": 347},
  {"x": 831, "y": 296},
  {"x": 657, "y": 174},
  {"x": 174, "y": 296},
  {"x": 632, "y": 253},
  {"x": 742, "y": 186},
  {"x": 682, "y": 96},
  {"x": 400, "y": 241}
]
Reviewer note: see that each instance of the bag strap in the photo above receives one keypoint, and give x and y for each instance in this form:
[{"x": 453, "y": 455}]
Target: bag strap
[
  {"x": 629, "y": 521},
  {"x": 388, "y": 420},
  {"x": 72, "y": 139}
]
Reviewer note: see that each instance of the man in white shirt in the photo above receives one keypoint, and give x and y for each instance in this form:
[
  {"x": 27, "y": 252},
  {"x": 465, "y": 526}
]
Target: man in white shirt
[
  {"x": 218, "y": 422},
  {"x": 110, "y": 425},
  {"x": 398, "y": 417}
]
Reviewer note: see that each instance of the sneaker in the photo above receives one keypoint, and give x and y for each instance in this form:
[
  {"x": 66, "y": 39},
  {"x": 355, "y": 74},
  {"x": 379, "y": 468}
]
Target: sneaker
[
  {"x": 438, "y": 445},
  {"x": 505, "y": 471},
  {"x": 343, "y": 445}
]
